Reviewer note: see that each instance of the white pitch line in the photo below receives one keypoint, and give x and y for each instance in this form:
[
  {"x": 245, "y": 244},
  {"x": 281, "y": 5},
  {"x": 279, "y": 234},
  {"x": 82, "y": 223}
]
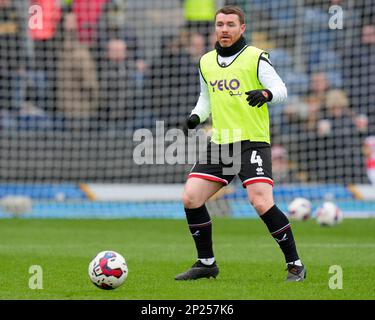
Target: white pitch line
[{"x": 313, "y": 245}]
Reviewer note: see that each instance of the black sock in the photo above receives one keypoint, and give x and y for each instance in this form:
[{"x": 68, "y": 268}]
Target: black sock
[
  {"x": 201, "y": 229},
  {"x": 279, "y": 227}
]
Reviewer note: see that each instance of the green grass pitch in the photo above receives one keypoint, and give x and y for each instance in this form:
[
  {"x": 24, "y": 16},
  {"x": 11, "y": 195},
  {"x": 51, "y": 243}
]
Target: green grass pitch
[{"x": 251, "y": 264}]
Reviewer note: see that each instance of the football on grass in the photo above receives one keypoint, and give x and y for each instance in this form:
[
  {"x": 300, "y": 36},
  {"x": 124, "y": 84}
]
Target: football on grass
[
  {"x": 299, "y": 209},
  {"x": 329, "y": 214},
  {"x": 108, "y": 270}
]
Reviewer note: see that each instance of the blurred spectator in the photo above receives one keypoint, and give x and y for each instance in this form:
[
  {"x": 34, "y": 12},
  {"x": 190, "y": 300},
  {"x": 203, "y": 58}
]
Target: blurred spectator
[
  {"x": 12, "y": 54},
  {"x": 112, "y": 24},
  {"x": 123, "y": 71},
  {"x": 196, "y": 47},
  {"x": 77, "y": 81},
  {"x": 319, "y": 85},
  {"x": 369, "y": 153},
  {"x": 316, "y": 97},
  {"x": 298, "y": 132},
  {"x": 51, "y": 15},
  {"x": 118, "y": 96},
  {"x": 284, "y": 171},
  {"x": 199, "y": 15},
  {"x": 88, "y": 13},
  {"x": 30, "y": 117},
  {"x": 337, "y": 108},
  {"x": 339, "y": 141},
  {"x": 294, "y": 118},
  {"x": 175, "y": 80},
  {"x": 359, "y": 73},
  {"x": 46, "y": 41}
]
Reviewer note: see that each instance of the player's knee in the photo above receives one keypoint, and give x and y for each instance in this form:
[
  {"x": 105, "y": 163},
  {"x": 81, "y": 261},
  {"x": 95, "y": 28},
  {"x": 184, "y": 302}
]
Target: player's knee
[
  {"x": 191, "y": 200},
  {"x": 261, "y": 203}
]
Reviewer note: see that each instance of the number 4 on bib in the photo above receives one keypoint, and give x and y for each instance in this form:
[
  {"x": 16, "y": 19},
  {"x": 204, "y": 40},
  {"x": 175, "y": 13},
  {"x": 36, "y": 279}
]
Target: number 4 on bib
[{"x": 256, "y": 158}]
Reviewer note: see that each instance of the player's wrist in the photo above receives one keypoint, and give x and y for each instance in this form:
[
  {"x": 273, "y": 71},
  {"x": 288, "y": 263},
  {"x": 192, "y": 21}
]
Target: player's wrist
[
  {"x": 267, "y": 94},
  {"x": 193, "y": 121}
]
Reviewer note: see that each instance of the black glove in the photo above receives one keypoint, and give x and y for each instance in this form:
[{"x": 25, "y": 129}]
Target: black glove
[
  {"x": 191, "y": 123},
  {"x": 258, "y": 97}
]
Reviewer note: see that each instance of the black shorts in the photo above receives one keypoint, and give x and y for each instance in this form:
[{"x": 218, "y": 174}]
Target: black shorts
[{"x": 251, "y": 161}]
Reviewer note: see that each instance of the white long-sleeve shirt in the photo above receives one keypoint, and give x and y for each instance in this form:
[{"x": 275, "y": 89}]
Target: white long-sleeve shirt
[{"x": 267, "y": 76}]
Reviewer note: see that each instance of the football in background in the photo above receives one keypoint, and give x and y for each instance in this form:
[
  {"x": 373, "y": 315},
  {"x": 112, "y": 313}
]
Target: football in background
[
  {"x": 329, "y": 214},
  {"x": 299, "y": 209}
]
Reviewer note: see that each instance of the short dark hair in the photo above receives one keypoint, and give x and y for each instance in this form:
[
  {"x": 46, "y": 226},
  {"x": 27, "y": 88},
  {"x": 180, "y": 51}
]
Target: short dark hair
[{"x": 231, "y": 9}]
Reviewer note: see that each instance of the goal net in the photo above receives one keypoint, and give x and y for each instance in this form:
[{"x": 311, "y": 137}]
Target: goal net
[{"x": 92, "y": 92}]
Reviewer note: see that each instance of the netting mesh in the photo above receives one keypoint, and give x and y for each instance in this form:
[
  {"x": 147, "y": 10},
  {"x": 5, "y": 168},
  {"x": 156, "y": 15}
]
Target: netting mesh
[{"x": 79, "y": 77}]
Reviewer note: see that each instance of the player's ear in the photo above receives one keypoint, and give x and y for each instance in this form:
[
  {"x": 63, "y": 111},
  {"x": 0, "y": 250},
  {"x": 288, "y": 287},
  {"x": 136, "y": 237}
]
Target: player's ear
[{"x": 243, "y": 28}]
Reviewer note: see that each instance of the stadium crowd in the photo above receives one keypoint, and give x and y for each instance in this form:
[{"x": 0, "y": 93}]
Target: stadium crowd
[{"x": 88, "y": 68}]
